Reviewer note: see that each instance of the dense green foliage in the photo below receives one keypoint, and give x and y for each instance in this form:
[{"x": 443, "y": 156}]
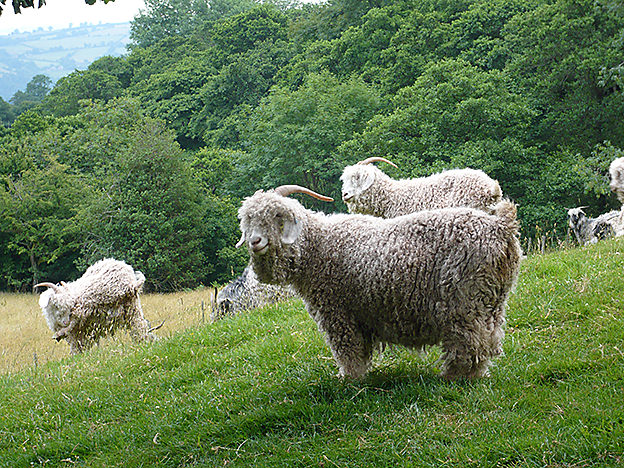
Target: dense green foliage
[
  {"x": 260, "y": 390},
  {"x": 245, "y": 95}
]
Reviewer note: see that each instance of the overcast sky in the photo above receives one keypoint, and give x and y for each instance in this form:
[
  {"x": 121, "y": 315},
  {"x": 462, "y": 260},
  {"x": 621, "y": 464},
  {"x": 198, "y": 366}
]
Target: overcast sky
[
  {"x": 58, "y": 14},
  {"x": 61, "y": 13}
]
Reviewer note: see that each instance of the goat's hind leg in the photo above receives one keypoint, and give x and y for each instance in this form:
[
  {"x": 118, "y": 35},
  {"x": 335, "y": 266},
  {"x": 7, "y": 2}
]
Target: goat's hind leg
[{"x": 468, "y": 352}]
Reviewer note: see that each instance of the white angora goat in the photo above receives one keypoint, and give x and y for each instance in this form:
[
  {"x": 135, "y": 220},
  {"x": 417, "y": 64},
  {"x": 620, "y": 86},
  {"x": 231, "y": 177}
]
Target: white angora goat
[
  {"x": 103, "y": 299},
  {"x": 432, "y": 277},
  {"x": 368, "y": 190}
]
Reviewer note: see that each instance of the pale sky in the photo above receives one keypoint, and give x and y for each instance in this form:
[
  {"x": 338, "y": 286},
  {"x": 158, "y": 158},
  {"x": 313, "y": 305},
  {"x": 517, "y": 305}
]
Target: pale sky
[{"x": 58, "y": 14}]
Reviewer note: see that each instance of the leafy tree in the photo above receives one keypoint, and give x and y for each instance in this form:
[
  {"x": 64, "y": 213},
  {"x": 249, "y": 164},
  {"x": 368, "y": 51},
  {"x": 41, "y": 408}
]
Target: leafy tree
[
  {"x": 215, "y": 169},
  {"x": 39, "y": 210},
  {"x": 246, "y": 30},
  {"x": 292, "y": 136},
  {"x": 172, "y": 94},
  {"x": 212, "y": 167},
  {"x": 36, "y": 90},
  {"x": 95, "y": 84},
  {"x": 149, "y": 211},
  {"x": 560, "y": 49},
  {"x": 114, "y": 66},
  {"x": 166, "y": 18},
  {"x": 237, "y": 86},
  {"x": 452, "y": 104},
  {"x": 30, "y": 122},
  {"x": 6, "y": 113}
]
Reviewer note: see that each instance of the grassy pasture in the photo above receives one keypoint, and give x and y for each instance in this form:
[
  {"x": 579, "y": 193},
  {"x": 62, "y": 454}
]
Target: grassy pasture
[
  {"x": 260, "y": 390},
  {"x": 26, "y": 341}
]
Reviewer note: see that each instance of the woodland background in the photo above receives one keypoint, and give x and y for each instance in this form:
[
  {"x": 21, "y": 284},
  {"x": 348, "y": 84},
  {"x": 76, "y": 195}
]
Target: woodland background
[{"x": 147, "y": 156}]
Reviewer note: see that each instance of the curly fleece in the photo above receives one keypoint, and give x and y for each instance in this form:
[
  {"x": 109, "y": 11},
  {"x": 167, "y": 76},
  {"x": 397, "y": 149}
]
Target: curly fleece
[
  {"x": 387, "y": 197},
  {"x": 246, "y": 292},
  {"x": 103, "y": 299},
  {"x": 432, "y": 277}
]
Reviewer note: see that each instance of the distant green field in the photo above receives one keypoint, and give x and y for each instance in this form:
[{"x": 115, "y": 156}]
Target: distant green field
[
  {"x": 260, "y": 390},
  {"x": 56, "y": 53}
]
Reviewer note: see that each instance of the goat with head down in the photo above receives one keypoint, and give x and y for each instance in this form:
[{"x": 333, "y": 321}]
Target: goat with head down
[
  {"x": 433, "y": 277},
  {"x": 103, "y": 299},
  {"x": 368, "y": 190},
  {"x": 591, "y": 230},
  {"x": 246, "y": 292}
]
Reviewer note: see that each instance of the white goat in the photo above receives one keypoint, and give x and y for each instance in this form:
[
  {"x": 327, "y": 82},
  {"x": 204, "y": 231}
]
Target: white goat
[
  {"x": 367, "y": 190},
  {"x": 616, "y": 171},
  {"x": 103, "y": 299},
  {"x": 246, "y": 292},
  {"x": 439, "y": 276}
]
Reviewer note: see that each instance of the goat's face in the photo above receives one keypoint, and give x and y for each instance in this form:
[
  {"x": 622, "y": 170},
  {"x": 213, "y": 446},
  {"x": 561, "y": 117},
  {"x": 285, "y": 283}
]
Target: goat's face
[
  {"x": 576, "y": 217},
  {"x": 616, "y": 171},
  {"x": 355, "y": 181},
  {"x": 271, "y": 228},
  {"x": 56, "y": 307}
]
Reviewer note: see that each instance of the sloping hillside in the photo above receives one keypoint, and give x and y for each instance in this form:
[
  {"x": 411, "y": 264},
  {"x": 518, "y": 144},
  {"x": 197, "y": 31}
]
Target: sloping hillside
[
  {"x": 260, "y": 390},
  {"x": 56, "y": 53}
]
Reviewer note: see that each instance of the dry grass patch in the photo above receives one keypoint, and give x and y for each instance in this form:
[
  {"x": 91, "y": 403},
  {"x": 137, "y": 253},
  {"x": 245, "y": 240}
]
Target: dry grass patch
[{"x": 26, "y": 341}]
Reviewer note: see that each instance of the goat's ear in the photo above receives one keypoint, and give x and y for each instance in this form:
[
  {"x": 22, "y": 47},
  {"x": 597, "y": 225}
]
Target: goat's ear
[
  {"x": 291, "y": 231},
  {"x": 44, "y": 298},
  {"x": 366, "y": 180}
]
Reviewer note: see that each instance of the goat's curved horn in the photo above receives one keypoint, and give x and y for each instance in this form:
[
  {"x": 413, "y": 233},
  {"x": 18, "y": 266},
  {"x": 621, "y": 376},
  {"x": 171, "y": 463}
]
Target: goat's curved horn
[
  {"x": 377, "y": 159},
  {"x": 48, "y": 285},
  {"x": 241, "y": 241},
  {"x": 156, "y": 327},
  {"x": 285, "y": 190}
]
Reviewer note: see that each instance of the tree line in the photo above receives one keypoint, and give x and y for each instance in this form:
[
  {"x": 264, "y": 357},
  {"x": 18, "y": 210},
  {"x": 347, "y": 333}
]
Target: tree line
[{"x": 147, "y": 156}]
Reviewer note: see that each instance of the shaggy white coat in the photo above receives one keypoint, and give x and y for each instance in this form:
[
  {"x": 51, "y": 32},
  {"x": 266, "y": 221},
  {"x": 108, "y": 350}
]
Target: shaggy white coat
[
  {"x": 103, "y": 299},
  {"x": 368, "y": 190},
  {"x": 432, "y": 277}
]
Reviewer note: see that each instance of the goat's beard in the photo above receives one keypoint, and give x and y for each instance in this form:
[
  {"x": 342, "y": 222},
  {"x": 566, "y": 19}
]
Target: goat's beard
[{"x": 275, "y": 266}]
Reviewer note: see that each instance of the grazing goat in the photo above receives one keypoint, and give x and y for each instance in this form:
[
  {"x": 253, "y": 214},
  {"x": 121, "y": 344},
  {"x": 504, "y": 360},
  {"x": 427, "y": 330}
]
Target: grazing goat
[
  {"x": 591, "y": 230},
  {"x": 432, "y": 277},
  {"x": 103, "y": 299},
  {"x": 246, "y": 292},
  {"x": 367, "y": 190}
]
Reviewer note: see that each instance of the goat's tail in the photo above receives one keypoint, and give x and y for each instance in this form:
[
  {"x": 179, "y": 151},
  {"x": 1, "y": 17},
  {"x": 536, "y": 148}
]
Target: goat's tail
[{"x": 507, "y": 212}]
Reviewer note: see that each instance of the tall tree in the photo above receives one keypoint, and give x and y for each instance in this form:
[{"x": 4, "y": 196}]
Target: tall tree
[
  {"x": 36, "y": 90},
  {"x": 292, "y": 136},
  {"x": 39, "y": 209},
  {"x": 165, "y": 18},
  {"x": 148, "y": 210}
]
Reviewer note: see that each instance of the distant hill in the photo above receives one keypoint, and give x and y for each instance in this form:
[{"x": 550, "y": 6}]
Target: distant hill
[{"x": 56, "y": 53}]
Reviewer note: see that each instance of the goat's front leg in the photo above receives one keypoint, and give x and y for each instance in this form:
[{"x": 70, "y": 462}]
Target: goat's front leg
[{"x": 351, "y": 348}]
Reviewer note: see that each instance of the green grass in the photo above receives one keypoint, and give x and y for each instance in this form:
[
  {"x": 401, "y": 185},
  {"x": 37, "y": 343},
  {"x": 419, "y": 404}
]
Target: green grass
[{"x": 260, "y": 390}]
